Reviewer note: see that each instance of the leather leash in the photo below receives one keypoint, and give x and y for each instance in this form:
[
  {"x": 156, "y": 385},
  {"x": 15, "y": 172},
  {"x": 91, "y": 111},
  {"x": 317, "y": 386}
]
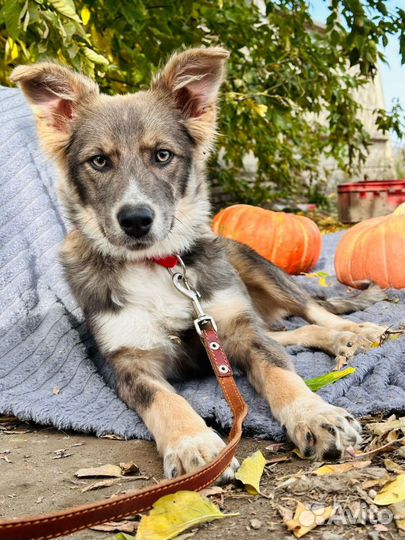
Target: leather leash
[{"x": 56, "y": 524}]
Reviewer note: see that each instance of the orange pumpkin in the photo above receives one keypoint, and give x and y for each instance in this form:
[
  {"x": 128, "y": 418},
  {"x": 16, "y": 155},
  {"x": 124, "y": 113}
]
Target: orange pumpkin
[
  {"x": 374, "y": 250},
  {"x": 291, "y": 242}
]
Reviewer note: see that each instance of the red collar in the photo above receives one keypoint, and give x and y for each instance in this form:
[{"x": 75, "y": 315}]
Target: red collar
[{"x": 167, "y": 262}]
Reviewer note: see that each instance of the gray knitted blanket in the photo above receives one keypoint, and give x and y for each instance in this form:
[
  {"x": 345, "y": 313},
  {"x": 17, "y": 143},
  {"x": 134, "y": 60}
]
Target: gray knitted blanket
[{"x": 50, "y": 371}]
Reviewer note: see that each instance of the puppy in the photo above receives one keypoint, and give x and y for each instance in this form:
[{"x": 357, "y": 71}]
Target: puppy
[{"x": 133, "y": 184}]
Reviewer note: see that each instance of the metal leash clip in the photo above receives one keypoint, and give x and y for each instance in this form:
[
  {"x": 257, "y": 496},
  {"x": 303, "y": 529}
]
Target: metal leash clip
[{"x": 182, "y": 284}]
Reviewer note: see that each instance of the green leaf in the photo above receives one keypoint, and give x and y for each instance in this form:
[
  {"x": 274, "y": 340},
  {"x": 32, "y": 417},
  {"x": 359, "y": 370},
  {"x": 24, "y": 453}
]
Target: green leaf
[
  {"x": 251, "y": 471},
  {"x": 12, "y": 13},
  {"x": 95, "y": 57},
  {"x": 324, "y": 380},
  {"x": 66, "y": 8},
  {"x": 176, "y": 513}
]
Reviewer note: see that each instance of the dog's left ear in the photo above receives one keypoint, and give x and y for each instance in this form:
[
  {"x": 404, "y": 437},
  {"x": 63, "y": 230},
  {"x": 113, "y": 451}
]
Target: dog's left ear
[{"x": 192, "y": 79}]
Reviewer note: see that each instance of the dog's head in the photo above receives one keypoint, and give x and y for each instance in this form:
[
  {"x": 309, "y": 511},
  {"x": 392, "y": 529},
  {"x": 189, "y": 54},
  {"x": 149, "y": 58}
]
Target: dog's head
[{"x": 133, "y": 165}]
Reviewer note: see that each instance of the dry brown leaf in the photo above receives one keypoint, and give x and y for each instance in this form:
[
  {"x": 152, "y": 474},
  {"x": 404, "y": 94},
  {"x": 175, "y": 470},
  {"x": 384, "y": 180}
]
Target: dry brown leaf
[
  {"x": 129, "y": 468},
  {"x": 285, "y": 513},
  {"x": 103, "y": 470},
  {"x": 305, "y": 519},
  {"x": 276, "y": 447},
  {"x": 391, "y": 466},
  {"x": 401, "y": 451},
  {"x": 340, "y": 468},
  {"x": 391, "y": 424},
  {"x": 116, "y": 526},
  {"x": 278, "y": 459},
  {"x": 211, "y": 491},
  {"x": 61, "y": 453},
  {"x": 380, "y": 449},
  {"x": 368, "y": 484},
  {"x": 100, "y": 484},
  {"x": 398, "y": 509}
]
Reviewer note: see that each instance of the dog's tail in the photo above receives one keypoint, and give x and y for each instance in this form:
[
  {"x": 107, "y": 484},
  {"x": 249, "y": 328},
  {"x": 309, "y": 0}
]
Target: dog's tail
[{"x": 340, "y": 305}]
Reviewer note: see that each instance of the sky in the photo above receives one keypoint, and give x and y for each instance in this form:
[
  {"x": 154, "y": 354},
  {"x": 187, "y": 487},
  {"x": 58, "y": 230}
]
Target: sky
[{"x": 393, "y": 74}]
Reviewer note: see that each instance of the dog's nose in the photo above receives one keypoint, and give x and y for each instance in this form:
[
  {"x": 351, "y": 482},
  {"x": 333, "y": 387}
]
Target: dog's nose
[{"x": 136, "y": 221}]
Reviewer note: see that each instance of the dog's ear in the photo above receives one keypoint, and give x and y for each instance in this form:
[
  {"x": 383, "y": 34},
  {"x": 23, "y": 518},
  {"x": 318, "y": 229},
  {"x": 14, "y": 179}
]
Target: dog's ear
[
  {"x": 192, "y": 79},
  {"x": 55, "y": 93}
]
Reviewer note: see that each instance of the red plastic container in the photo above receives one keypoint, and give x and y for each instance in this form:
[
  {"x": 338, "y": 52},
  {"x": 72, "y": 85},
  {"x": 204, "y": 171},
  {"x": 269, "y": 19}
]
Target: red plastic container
[{"x": 362, "y": 200}]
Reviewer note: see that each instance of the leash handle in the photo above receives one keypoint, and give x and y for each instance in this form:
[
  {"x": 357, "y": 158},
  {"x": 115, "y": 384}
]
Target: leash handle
[{"x": 74, "y": 519}]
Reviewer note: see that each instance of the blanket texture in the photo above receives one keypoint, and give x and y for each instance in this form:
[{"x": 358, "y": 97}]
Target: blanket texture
[{"x": 50, "y": 370}]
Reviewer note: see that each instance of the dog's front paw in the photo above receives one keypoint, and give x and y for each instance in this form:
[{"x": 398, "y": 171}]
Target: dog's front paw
[
  {"x": 320, "y": 431},
  {"x": 192, "y": 452}
]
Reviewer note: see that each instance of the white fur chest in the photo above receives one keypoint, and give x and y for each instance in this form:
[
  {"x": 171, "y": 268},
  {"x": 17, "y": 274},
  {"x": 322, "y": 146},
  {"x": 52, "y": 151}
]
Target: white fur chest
[{"x": 153, "y": 311}]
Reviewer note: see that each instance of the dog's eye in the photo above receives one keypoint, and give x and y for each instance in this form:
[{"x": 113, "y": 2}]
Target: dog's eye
[
  {"x": 163, "y": 156},
  {"x": 100, "y": 163}
]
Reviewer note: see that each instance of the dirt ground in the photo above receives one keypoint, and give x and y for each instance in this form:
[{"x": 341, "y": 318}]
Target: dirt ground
[{"x": 38, "y": 466}]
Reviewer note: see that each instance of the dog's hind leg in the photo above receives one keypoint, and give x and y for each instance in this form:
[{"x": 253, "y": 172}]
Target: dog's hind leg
[
  {"x": 343, "y": 345},
  {"x": 317, "y": 314},
  {"x": 275, "y": 294},
  {"x": 342, "y": 305}
]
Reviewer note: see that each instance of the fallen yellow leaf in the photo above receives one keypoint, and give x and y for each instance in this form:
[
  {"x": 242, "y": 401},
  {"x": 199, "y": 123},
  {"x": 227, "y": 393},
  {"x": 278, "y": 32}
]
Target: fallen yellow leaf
[
  {"x": 305, "y": 519},
  {"x": 322, "y": 278},
  {"x": 298, "y": 453},
  {"x": 341, "y": 467},
  {"x": 323, "y": 282},
  {"x": 176, "y": 513},
  {"x": 250, "y": 472},
  {"x": 392, "y": 493}
]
